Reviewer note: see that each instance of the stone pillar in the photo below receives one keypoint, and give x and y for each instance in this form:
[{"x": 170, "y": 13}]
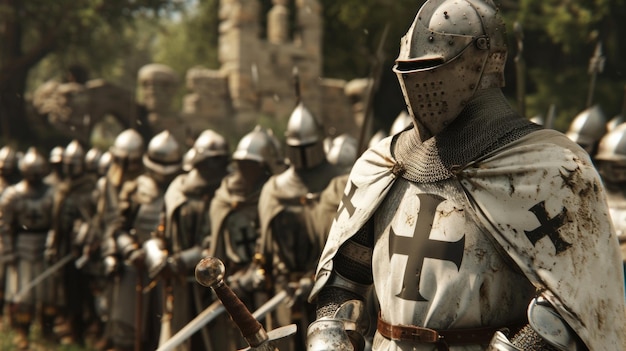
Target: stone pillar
[{"x": 278, "y": 22}]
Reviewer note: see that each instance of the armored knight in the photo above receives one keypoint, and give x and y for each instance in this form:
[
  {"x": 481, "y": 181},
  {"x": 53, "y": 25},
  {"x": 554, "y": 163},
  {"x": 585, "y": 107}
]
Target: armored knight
[
  {"x": 25, "y": 219},
  {"x": 99, "y": 250},
  {"x": 134, "y": 316},
  {"x": 467, "y": 225},
  {"x": 288, "y": 243},
  {"x": 611, "y": 164},
  {"x": 187, "y": 233},
  {"x": 9, "y": 175},
  {"x": 73, "y": 210}
]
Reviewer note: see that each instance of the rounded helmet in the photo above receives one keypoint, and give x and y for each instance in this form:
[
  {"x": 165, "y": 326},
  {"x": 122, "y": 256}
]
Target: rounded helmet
[
  {"x": 611, "y": 155},
  {"x": 56, "y": 155},
  {"x": 209, "y": 144},
  {"x": 343, "y": 151},
  {"x": 33, "y": 165},
  {"x": 453, "y": 49},
  {"x": 402, "y": 121},
  {"x": 164, "y": 155},
  {"x": 128, "y": 145},
  {"x": 74, "y": 159},
  {"x": 188, "y": 159},
  {"x": 538, "y": 119},
  {"x": 104, "y": 162},
  {"x": 257, "y": 146},
  {"x": 305, "y": 143},
  {"x": 587, "y": 128},
  {"x": 8, "y": 160}
]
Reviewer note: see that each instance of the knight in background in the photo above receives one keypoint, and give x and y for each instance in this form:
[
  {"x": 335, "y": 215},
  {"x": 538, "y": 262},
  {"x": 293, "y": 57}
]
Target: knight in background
[
  {"x": 187, "y": 232},
  {"x": 124, "y": 164},
  {"x": 9, "y": 175},
  {"x": 611, "y": 164},
  {"x": 135, "y": 317},
  {"x": 477, "y": 229},
  {"x": 25, "y": 220},
  {"x": 289, "y": 245},
  {"x": 73, "y": 210}
]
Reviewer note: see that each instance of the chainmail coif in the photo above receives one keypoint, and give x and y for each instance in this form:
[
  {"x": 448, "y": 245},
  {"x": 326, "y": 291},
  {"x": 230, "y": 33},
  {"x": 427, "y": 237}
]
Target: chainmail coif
[{"x": 486, "y": 123}]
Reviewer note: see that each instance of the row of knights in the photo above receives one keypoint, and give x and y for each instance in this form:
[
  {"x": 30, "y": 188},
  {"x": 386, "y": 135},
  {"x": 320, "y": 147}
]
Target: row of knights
[{"x": 99, "y": 247}]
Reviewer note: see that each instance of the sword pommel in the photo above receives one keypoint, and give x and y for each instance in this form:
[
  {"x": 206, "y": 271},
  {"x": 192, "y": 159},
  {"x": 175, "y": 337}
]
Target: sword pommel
[{"x": 210, "y": 273}]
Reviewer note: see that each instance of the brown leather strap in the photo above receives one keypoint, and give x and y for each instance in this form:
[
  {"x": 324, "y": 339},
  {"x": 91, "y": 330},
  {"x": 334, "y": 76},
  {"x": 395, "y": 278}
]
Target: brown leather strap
[{"x": 417, "y": 334}]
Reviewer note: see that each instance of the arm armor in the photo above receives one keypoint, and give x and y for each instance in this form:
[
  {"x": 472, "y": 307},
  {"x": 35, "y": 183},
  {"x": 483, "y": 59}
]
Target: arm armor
[
  {"x": 340, "y": 332},
  {"x": 546, "y": 331}
]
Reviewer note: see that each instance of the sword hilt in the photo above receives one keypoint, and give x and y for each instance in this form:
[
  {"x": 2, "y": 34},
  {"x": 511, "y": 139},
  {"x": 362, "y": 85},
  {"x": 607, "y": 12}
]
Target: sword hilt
[{"x": 210, "y": 273}]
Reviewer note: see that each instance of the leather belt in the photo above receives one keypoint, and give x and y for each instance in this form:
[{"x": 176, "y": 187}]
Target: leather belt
[{"x": 443, "y": 338}]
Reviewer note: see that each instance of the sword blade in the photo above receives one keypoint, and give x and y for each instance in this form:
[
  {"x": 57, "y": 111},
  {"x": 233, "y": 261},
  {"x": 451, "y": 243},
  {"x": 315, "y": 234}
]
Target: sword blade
[
  {"x": 270, "y": 305},
  {"x": 40, "y": 278},
  {"x": 209, "y": 313}
]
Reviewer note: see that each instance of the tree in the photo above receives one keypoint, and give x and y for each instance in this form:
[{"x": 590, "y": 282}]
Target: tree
[{"x": 30, "y": 30}]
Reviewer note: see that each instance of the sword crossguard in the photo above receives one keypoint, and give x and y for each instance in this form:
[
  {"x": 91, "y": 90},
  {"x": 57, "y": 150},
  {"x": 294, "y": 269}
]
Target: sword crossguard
[{"x": 210, "y": 273}]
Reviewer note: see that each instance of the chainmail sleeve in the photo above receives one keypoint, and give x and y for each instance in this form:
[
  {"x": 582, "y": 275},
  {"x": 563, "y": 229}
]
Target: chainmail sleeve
[{"x": 351, "y": 267}]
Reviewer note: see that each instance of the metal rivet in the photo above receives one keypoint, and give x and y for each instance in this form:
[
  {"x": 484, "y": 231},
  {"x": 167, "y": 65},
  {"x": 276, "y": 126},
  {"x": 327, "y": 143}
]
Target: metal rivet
[{"x": 431, "y": 38}]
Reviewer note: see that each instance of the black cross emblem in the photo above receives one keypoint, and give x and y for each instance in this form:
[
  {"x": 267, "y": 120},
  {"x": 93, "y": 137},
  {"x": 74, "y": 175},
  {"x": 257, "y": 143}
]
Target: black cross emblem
[
  {"x": 346, "y": 202},
  {"x": 548, "y": 227},
  {"x": 248, "y": 242},
  {"x": 420, "y": 247}
]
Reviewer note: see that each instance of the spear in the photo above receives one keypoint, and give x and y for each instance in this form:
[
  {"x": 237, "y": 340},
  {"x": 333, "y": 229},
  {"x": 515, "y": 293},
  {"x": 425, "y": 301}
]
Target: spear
[{"x": 596, "y": 66}]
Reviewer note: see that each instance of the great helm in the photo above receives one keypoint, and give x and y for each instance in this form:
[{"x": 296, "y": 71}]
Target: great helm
[
  {"x": 209, "y": 144},
  {"x": 33, "y": 165},
  {"x": 587, "y": 128},
  {"x": 305, "y": 144},
  {"x": 259, "y": 146},
  {"x": 74, "y": 159},
  {"x": 453, "y": 49},
  {"x": 164, "y": 155}
]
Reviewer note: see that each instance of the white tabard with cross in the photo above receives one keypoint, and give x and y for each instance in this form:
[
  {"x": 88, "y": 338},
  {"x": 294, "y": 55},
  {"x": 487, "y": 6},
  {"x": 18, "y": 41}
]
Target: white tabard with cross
[{"x": 539, "y": 200}]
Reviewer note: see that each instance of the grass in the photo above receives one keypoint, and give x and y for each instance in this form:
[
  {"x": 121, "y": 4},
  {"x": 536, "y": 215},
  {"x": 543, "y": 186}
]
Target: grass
[{"x": 37, "y": 343}]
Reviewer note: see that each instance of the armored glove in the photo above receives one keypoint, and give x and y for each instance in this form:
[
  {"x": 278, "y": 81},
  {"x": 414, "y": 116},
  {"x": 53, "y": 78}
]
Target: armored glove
[
  {"x": 341, "y": 332},
  {"x": 111, "y": 265},
  {"x": 248, "y": 279}
]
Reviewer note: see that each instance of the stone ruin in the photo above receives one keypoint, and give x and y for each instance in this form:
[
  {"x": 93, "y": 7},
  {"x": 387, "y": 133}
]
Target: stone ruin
[
  {"x": 255, "y": 79},
  {"x": 256, "y": 73}
]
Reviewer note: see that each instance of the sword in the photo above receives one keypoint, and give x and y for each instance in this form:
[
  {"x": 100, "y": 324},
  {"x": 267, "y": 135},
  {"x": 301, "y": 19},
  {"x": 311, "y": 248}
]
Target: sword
[
  {"x": 210, "y": 273},
  {"x": 209, "y": 314},
  {"x": 40, "y": 278}
]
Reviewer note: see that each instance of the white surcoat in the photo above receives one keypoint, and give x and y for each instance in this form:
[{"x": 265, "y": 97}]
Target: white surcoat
[{"x": 532, "y": 214}]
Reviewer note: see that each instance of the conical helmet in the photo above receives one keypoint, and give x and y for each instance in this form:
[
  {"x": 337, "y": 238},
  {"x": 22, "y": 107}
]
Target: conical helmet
[
  {"x": 209, "y": 144},
  {"x": 453, "y": 49},
  {"x": 304, "y": 139},
  {"x": 588, "y": 127},
  {"x": 56, "y": 155},
  {"x": 104, "y": 163},
  {"x": 8, "y": 160},
  {"x": 92, "y": 157},
  {"x": 74, "y": 159},
  {"x": 164, "y": 155},
  {"x": 33, "y": 165},
  {"x": 402, "y": 121},
  {"x": 257, "y": 146},
  {"x": 128, "y": 145},
  {"x": 343, "y": 151},
  {"x": 611, "y": 155}
]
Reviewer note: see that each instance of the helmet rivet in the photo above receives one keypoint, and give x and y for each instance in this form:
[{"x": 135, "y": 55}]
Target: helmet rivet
[
  {"x": 445, "y": 15},
  {"x": 431, "y": 38},
  {"x": 451, "y": 42},
  {"x": 482, "y": 43}
]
